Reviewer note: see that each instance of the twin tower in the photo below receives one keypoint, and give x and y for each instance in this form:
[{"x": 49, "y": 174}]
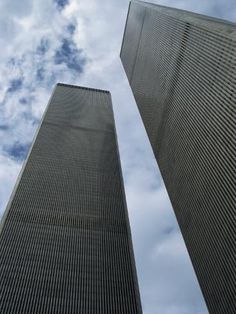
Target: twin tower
[{"x": 65, "y": 241}]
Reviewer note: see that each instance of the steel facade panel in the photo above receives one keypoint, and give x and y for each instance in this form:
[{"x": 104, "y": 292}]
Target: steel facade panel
[
  {"x": 184, "y": 84},
  {"x": 65, "y": 243}
]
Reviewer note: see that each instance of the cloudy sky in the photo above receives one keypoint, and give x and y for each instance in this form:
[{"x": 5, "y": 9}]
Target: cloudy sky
[{"x": 78, "y": 42}]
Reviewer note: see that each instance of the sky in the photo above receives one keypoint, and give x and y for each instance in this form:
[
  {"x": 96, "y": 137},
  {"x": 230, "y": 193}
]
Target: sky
[{"x": 78, "y": 42}]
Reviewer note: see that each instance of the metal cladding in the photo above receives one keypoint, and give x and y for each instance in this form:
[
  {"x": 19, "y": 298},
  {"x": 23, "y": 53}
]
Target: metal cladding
[
  {"x": 65, "y": 242},
  {"x": 182, "y": 70}
]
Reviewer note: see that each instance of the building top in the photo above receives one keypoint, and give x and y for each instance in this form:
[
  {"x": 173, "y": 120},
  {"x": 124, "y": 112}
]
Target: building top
[
  {"x": 208, "y": 23},
  {"x": 83, "y": 87}
]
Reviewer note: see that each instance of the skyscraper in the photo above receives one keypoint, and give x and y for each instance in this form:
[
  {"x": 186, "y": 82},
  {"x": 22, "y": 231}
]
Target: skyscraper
[
  {"x": 65, "y": 242},
  {"x": 181, "y": 67}
]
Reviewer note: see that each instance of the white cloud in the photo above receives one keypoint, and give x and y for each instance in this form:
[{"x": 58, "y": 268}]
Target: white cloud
[{"x": 9, "y": 171}]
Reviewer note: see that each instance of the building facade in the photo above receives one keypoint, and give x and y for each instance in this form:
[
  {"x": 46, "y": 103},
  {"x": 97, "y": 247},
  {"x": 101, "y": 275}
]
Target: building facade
[
  {"x": 65, "y": 241},
  {"x": 181, "y": 68}
]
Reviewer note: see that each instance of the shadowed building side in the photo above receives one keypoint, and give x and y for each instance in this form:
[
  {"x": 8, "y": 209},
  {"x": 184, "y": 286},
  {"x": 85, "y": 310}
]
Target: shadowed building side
[
  {"x": 65, "y": 242},
  {"x": 181, "y": 67}
]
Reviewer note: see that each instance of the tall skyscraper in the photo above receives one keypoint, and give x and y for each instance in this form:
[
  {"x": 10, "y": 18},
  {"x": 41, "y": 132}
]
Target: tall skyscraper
[
  {"x": 65, "y": 241},
  {"x": 181, "y": 67}
]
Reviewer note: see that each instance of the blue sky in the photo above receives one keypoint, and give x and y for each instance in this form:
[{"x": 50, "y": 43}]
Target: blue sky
[{"x": 78, "y": 42}]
